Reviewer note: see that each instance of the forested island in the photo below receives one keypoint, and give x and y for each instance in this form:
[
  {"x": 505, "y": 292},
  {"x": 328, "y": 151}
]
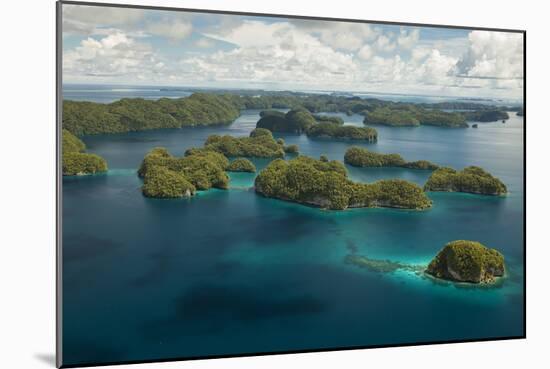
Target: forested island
[
  {"x": 215, "y": 108},
  {"x": 471, "y": 179},
  {"x": 313, "y": 125},
  {"x": 260, "y": 144},
  {"x": 241, "y": 165},
  {"x": 361, "y": 157},
  {"x": 467, "y": 261},
  {"x": 325, "y": 184},
  {"x": 77, "y": 162},
  {"x": 167, "y": 176}
]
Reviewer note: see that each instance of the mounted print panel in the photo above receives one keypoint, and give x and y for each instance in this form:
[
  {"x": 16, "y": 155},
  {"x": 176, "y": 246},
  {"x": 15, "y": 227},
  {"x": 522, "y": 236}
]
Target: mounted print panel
[{"x": 237, "y": 184}]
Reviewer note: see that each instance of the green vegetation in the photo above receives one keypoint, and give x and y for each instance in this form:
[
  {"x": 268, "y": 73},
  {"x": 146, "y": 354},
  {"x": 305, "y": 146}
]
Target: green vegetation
[
  {"x": 77, "y": 162},
  {"x": 201, "y": 168},
  {"x": 467, "y": 261},
  {"x": 470, "y": 179},
  {"x": 325, "y": 184},
  {"x": 294, "y": 121},
  {"x": 361, "y": 157},
  {"x": 82, "y": 117},
  {"x": 486, "y": 115},
  {"x": 328, "y": 119},
  {"x": 333, "y": 130},
  {"x": 260, "y": 144},
  {"x": 404, "y": 115},
  {"x": 291, "y": 149},
  {"x": 241, "y": 165},
  {"x": 161, "y": 182},
  {"x": 421, "y": 164}
]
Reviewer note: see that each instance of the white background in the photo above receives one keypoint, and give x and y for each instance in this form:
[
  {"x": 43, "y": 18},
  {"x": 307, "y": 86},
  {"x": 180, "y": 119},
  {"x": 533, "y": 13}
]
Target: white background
[{"x": 27, "y": 182}]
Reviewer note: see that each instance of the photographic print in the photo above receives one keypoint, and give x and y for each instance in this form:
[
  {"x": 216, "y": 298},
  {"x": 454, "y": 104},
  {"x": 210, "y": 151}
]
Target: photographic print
[{"x": 237, "y": 184}]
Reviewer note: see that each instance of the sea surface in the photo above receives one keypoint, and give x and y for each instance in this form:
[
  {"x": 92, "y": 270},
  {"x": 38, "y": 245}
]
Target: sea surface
[{"x": 230, "y": 272}]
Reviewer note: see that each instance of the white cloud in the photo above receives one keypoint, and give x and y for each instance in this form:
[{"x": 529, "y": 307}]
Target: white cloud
[
  {"x": 111, "y": 56},
  {"x": 274, "y": 53},
  {"x": 496, "y": 55},
  {"x": 175, "y": 30},
  {"x": 89, "y": 20},
  {"x": 365, "y": 52},
  {"x": 408, "y": 39}
]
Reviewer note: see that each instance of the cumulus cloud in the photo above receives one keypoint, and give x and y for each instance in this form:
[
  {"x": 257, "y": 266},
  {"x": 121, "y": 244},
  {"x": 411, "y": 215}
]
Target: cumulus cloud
[
  {"x": 111, "y": 56},
  {"x": 80, "y": 19},
  {"x": 492, "y": 55},
  {"x": 274, "y": 53}
]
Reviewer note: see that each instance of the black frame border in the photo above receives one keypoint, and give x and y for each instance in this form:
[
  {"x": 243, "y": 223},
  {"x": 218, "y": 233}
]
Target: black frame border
[{"x": 59, "y": 181}]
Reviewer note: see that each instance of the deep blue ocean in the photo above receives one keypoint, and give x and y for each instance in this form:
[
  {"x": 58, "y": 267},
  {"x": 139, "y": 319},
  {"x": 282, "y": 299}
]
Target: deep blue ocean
[{"x": 230, "y": 272}]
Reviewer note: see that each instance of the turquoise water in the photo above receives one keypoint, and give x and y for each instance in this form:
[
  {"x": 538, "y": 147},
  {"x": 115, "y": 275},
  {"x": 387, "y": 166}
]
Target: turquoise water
[{"x": 230, "y": 272}]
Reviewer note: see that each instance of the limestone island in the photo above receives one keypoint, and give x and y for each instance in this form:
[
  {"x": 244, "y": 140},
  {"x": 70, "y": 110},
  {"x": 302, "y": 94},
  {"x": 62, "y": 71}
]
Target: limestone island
[
  {"x": 333, "y": 130},
  {"x": 325, "y": 184},
  {"x": 408, "y": 115},
  {"x": 260, "y": 144},
  {"x": 467, "y": 261},
  {"x": 316, "y": 126},
  {"x": 471, "y": 179},
  {"x": 75, "y": 161},
  {"x": 242, "y": 165},
  {"x": 361, "y": 157},
  {"x": 486, "y": 115},
  {"x": 166, "y": 176}
]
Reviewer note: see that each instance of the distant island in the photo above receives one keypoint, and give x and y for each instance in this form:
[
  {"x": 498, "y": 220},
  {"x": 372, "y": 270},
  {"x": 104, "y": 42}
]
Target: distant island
[
  {"x": 313, "y": 125},
  {"x": 471, "y": 179},
  {"x": 361, "y": 157},
  {"x": 410, "y": 115},
  {"x": 325, "y": 184},
  {"x": 77, "y": 162},
  {"x": 216, "y": 108},
  {"x": 467, "y": 261}
]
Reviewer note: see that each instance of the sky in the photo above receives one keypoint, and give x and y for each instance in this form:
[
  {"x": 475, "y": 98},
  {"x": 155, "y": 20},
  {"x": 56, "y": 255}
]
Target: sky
[{"x": 106, "y": 45}]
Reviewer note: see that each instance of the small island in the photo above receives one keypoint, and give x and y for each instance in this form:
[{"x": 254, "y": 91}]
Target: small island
[
  {"x": 166, "y": 176},
  {"x": 242, "y": 165},
  {"x": 294, "y": 121},
  {"x": 467, "y": 261},
  {"x": 471, "y": 180},
  {"x": 361, "y": 157},
  {"x": 75, "y": 161},
  {"x": 260, "y": 144},
  {"x": 334, "y": 130},
  {"x": 407, "y": 115},
  {"x": 325, "y": 184},
  {"x": 486, "y": 115}
]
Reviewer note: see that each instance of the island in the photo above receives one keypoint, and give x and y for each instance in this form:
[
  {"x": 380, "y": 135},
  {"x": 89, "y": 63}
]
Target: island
[
  {"x": 407, "y": 115},
  {"x": 467, "y": 261},
  {"x": 328, "y": 119},
  {"x": 520, "y": 112},
  {"x": 486, "y": 115},
  {"x": 471, "y": 179},
  {"x": 294, "y": 121},
  {"x": 241, "y": 165},
  {"x": 260, "y": 144},
  {"x": 77, "y": 162},
  {"x": 125, "y": 115},
  {"x": 167, "y": 176},
  {"x": 325, "y": 184},
  {"x": 335, "y": 130},
  {"x": 361, "y": 157}
]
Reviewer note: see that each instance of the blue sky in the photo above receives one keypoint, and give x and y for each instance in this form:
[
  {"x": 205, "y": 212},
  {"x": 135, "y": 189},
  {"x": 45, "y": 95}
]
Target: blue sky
[{"x": 151, "y": 47}]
